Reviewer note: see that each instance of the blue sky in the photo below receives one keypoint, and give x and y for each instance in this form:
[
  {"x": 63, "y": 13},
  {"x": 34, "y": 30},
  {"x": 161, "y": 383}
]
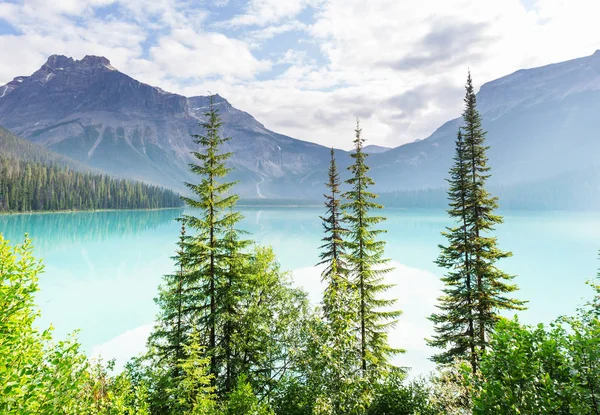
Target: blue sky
[{"x": 308, "y": 68}]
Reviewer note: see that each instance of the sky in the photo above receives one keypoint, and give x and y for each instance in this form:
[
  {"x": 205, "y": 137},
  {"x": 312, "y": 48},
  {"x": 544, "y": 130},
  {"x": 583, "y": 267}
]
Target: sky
[{"x": 308, "y": 68}]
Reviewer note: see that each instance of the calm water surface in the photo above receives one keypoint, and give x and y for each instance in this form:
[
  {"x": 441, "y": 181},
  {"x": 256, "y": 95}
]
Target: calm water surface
[{"x": 102, "y": 269}]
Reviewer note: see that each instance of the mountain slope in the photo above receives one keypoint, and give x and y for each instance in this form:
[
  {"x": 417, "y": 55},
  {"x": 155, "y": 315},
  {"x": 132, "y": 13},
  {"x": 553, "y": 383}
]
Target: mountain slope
[
  {"x": 541, "y": 123},
  {"x": 93, "y": 113},
  {"x": 17, "y": 148}
]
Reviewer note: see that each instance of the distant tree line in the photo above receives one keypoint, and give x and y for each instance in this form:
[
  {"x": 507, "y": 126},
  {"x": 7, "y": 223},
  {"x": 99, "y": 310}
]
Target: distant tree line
[
  {"x": 572, "y": 191},
  {"x": 29, "y": 186}
]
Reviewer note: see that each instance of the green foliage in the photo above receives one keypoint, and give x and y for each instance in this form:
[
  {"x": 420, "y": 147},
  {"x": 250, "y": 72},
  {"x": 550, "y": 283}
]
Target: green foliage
[
  {"x": 539, "y": 370},
  {"x": 196, "y": 395},
  {"x": 176, "y": 302},
  {"x": 243, "y": 401},
  {"x": 525, "y": 372},
  {"x": 26, "y": 186},
  {"x": 452, "y": 388},
  {"x": 367, "y": 267},
  {"x": 395, "y": 397},
  {"x": 38, "y": 375},
  {"x": 104, "y": 394}
]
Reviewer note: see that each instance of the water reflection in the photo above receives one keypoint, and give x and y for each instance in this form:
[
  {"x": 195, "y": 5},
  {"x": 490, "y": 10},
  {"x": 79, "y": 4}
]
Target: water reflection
[{"x": 56, "y": 231}]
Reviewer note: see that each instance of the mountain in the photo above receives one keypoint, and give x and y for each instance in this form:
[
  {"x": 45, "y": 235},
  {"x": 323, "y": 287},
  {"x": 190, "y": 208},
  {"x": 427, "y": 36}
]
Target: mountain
[
  {"x": 88, "y": 110},
  {"x": 17, "y": 148},
  {"x": 541, "y": 122},
  {"x": 374, "y": 149}
]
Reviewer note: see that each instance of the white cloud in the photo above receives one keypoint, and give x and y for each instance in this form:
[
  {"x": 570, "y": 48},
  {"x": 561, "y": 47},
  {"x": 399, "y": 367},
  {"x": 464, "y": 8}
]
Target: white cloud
[
  {"x": 185, "y": 53},
  {"x": 269, "y": 32},
  {"x": 412, "y": 53},
  {"x": 262, "y": 12}
]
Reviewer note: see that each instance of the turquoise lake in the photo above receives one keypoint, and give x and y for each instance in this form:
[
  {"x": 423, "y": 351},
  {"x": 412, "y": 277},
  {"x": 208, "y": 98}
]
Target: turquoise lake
[{"x": 102, "y": 269}]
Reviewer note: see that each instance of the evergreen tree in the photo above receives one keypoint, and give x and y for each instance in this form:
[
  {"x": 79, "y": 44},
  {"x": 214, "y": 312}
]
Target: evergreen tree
[
  {"x": 333, "y": 250},
  {"x": 476, "y": 290},
  {"x": 235, "y": 278},
  {"x": 366, "y": 265},
  {"x": 171, "y": 334},
  {"x": 209, "y": 250},
  {"x": 215, "y": 247},
  {"x": 454, "y": 323},
  {"x": 492, "y": 284},
  {"x": 333, "y": 362},
  {"x": 30, "y": 186}
]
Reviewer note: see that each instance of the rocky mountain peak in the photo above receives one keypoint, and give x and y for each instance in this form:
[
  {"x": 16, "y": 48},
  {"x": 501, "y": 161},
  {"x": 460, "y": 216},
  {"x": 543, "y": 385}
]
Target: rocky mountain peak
[
  {"x": 58, "y": 61},
  {"x": 96, "y": 61}
]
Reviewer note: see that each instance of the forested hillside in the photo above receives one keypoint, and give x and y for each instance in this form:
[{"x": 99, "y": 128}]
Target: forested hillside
[
  {"x": 15, "y": 147},
  {"x": 31, "y": 186}
]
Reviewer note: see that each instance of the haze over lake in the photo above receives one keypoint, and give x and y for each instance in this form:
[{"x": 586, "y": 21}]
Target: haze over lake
[{"x": 103, "y": 268}]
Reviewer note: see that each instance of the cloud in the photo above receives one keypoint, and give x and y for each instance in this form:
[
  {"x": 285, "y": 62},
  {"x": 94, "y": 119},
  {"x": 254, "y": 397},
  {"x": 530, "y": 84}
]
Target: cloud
[
  {"x": 308, "y": 68},
  {"x": 125, "y": 346},
  {"x": 269, "y": 32},
  {"x": 186, "y": 54},
  {"x": 263, "y": 12},
  {"x": 445, "y": 45}
]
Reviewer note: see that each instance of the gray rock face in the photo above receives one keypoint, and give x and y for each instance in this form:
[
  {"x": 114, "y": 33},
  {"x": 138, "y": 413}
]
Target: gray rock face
[{"x": 90, "y": 111}]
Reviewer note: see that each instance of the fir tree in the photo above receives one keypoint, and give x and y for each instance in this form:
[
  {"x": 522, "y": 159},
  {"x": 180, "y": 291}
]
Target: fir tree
[
  {"x": 235, "y": 283},
  {"x": 333, "y": 250},
  {"x": 454, "y": 323},
  {"x": 334, "y": 361},
  {"x": 476, "y": 290},
  {"x": 171, "y": 333},
  {"x": 209, "y": 250},
  {"x": 493, "y": 285},
  {"x": 367, "y": 265}
]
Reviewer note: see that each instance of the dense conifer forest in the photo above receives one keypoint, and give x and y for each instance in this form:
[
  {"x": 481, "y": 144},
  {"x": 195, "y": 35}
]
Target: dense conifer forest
[
  {"x": 28, "y": 186},
  {"x": 234, "y": 336}
]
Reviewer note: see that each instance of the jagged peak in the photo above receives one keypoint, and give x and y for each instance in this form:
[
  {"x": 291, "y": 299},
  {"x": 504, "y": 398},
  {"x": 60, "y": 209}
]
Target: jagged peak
[
  {"x": 56, "y": 61},
  {"x": 62, "y": 61},
  {"x": 93, "y": 60}
]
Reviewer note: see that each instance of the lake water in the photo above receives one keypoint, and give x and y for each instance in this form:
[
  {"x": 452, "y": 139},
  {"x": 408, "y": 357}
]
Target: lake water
[{"x": 102, "y": 269}]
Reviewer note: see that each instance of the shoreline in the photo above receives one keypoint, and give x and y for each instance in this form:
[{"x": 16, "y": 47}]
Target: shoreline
[{"x": 49, "y": 212}]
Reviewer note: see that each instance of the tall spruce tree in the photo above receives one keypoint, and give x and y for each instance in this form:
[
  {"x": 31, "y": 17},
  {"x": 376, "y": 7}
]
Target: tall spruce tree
[
  {"x": 493, "y": 285},
  {"x": 454, "y": 323},
  {"x": 333, "y": 250},
  {"x": 367, "y": 265},
  {"x": 476, "y": 290},
  {"x": 175, "y": 302},
  {"x": 235, "y": 286},
  {"x": 334, "y": 358},
  {"x": 210, "y": 249}
]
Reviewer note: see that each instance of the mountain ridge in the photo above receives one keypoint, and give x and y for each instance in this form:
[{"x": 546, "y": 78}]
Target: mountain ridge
[
  {"x": 541, "y": 122},
  {"x": 94, "y": 113}
]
